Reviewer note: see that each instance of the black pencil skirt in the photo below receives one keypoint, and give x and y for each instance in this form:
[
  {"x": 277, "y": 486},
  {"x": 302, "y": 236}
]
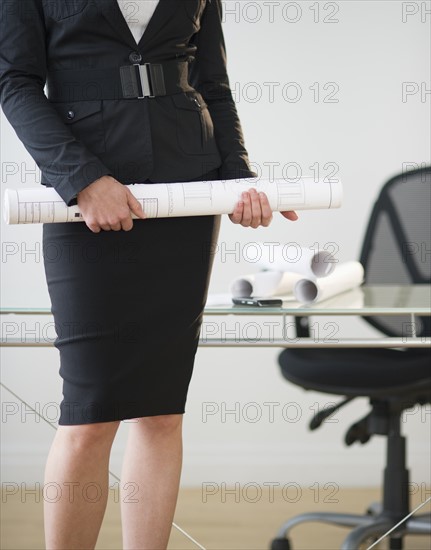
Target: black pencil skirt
[{"x": 127, "y": 308}]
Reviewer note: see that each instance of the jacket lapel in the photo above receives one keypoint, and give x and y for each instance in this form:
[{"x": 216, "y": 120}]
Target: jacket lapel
[
  {"x": 112, "y": 12},
  {"x": 165, "y": 9}
]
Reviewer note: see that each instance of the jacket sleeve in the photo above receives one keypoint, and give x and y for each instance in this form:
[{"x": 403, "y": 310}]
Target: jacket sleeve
[
  {"x": 208, "y": 75},
  {"x": 66, "y": 163}
]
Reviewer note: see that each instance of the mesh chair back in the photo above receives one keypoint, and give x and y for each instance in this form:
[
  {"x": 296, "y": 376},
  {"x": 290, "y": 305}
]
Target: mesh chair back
[{"x": 397, "y": 244}]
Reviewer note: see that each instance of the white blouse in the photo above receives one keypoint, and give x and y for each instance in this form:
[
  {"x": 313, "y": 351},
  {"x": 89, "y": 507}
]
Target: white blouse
[{"x": 137, "y": 14}]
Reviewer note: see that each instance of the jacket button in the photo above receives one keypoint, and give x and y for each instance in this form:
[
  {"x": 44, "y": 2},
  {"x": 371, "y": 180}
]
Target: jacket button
[
  {"x": 135, "y": 57},
  {"x": 71, "y": 115}
]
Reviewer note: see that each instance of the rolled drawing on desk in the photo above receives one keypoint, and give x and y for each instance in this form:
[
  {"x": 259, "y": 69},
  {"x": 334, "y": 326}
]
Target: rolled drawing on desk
[
  {"x": 264, "y": 283},
  {"x": 346, "y": 276},
  {"x": 290, "y": 257},
  {"x": 164, "y": 200},
  {"x": 289, "y": 285}
]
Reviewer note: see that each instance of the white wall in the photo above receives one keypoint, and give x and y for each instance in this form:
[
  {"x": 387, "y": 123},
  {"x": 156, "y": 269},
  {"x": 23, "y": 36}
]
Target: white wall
[{"x": 368, "y": 135}]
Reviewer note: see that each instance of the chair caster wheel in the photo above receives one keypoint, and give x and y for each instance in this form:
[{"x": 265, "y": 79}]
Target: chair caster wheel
[{"x": 280, "y": 544}]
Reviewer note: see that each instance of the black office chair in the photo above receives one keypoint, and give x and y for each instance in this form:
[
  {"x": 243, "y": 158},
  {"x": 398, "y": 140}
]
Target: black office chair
[{"x": 396, "y": 250}]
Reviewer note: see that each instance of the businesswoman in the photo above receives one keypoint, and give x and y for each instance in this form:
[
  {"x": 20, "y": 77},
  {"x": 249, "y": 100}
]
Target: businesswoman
[{"x": 135, "y": 92}]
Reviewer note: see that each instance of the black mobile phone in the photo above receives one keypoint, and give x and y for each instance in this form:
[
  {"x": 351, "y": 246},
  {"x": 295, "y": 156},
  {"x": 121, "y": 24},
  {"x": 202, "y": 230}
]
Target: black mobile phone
[{"x": 258, "y": 302}]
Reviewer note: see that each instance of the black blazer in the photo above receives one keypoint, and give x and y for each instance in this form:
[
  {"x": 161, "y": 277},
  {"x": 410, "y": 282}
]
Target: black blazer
[{"x": 75, "y": 140}]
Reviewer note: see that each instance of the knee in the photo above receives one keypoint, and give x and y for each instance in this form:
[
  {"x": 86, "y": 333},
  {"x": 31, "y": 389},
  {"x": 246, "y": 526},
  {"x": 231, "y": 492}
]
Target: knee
[
  {"x": 87, "y": 437},
  {"x": 161, "y": 424}
]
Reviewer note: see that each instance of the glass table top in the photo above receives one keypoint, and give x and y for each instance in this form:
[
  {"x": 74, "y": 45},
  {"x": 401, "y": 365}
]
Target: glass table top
[{"x": 364, "y": 300}]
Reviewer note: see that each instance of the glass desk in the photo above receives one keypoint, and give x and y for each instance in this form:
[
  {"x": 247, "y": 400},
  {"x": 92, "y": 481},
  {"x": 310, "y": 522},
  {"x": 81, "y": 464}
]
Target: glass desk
[{"x": 408, "y": 301}]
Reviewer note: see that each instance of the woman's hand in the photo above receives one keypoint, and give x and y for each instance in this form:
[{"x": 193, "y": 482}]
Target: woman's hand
[
  {"x": 253, "y": 210},
  {"x": 108, "y": 204}
]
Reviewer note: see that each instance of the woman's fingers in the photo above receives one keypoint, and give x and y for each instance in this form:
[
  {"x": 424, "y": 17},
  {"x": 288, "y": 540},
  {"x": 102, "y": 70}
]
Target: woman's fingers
[
  {"x": 290, "y": 215},
  {"x": 266, "y": 210},
  {"x": 247, "y": 210},
  {"x": 105, "y": 206},
  {"x": 256, "y": 209},
  {"x": 236, "y": 215},
  {"x": 134, "y": 205},
  {"x": 253, "y": 210}
]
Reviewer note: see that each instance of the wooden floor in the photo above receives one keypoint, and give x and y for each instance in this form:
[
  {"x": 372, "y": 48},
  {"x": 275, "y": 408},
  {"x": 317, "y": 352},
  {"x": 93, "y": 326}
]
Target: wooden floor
[{"x": 216, "y": 524}]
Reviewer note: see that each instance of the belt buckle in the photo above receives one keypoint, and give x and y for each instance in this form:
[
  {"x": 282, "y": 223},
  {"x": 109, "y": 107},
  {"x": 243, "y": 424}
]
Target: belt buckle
[{"x": 144, "y": 79}]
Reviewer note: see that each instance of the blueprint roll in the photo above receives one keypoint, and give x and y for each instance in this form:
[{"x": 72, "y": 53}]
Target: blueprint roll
[
  {"x": 308, "y": 262},
  {"x": 346, "y": 276},
  {"x": 165, "y": 200},
  {"x": 264, "y": 284}
]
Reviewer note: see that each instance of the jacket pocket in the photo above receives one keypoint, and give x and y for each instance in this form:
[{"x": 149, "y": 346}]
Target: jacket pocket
[
  {"x": 85, "y": 121},
  {"x": 62, "y": 9},
  {"x": 195, "y": 131}
]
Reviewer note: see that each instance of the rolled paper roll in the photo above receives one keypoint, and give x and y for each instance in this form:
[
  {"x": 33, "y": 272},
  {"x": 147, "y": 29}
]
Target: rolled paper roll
[
  {"x": 192, "y": 198},
  {"x": 264, "y": 284},
  {"x": 309, "y": 263},
  {"x": 347, "y": 275}
]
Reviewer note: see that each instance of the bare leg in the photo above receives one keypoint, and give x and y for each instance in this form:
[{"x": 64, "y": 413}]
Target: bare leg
[
  {"x": 76, "y": 485},
  {"x": 150, "y": 481}
]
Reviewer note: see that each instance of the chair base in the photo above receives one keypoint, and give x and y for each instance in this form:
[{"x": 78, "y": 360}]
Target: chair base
[
  {"x": 371, "y": 526},
  {"x": 384, "y": 419}
]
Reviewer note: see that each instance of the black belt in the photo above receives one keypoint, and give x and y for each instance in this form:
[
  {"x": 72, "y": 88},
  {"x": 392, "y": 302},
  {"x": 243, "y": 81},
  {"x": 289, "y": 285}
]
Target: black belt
[{"x": 126, "y": 82}]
